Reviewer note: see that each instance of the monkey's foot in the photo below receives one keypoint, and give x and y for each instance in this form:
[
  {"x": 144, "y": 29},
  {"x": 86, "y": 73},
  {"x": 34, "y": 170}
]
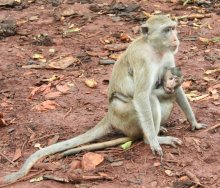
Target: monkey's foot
[
  {"x": 169, "y": 140},
  {"x": 163, "y": 129},
  {"x": 197, "y": 126},
  {"x": 155, "y": 147}
]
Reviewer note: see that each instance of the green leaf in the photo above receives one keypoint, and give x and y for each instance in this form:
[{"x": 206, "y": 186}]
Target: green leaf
[{"x": 126, "y": 145}]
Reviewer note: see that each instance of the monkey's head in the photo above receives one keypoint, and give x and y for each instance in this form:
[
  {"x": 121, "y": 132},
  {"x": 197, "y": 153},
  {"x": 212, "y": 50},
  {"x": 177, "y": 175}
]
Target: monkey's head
[
  {"x": 172, "y": 79},
  {"x": 161, "y": 32}
]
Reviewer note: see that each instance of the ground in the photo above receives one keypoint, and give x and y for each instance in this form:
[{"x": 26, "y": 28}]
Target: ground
[{"x": 91, "y": 26}]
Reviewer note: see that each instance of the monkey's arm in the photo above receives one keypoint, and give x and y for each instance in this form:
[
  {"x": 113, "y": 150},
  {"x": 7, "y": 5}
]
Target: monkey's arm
[
  {"x": 144, "y": 81},
  {"x": 185, "y": 106}
]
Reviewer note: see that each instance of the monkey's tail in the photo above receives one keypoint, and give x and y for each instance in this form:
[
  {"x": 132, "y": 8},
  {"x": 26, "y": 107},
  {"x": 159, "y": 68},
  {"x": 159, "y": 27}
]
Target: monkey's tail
[{"x": 101, "y": 129}]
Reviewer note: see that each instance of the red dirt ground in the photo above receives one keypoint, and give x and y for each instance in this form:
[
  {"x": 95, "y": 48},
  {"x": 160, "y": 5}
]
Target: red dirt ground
[{"x": 200, "y": 152}]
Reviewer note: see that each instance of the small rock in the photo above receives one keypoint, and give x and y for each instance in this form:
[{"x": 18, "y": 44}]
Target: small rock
[
  {"x": 117, "y": 163},
  {"x": 153, "y": 183}
]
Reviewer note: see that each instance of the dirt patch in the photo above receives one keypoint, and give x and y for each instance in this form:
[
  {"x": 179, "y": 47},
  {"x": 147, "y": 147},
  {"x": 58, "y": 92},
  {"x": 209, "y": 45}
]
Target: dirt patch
[{"x": 50, "y": 30}]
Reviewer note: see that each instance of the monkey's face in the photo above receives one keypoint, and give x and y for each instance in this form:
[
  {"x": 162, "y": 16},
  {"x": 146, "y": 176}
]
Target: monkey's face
[
  {"x": 161, "y": 32},
  {"x": 171, "y": 82}
]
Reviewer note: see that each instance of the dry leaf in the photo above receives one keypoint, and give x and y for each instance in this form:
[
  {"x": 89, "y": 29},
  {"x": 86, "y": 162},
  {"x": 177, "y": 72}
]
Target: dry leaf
[
  {"x": 186, "y": 84},
  {"x": 52, "y": 95},
  {"x": 46, "y": 105},
  {"x": 74, "y": 165},
  {"x": 38, "y": 56},
  {"x": 47, "y": 166},
  {"x": 97, "y": 54},
  {"x": 125, "y": 38},
  {"x": 63, "y": 88},
  {"x": 38, "y": 145},
  {"x": 114, "y": 56},
  {"x": 212, "y": 71},
  {"x": 91, "y": 83},
  {"x": 169, "y": 173},
  {"x": 116, "y": 47},
  {"x": 53, "y": 140},
  {"x": 33, "y": 92},
  {"x": 90, "y": 160},
  {"x": 17, "y": 154},
  {"x": 36, "y": 179},
  {"x": 62, "y": 62}
]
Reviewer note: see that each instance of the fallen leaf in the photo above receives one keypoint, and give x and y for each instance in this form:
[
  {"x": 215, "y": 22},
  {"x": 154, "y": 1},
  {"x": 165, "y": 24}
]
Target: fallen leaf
[
  {"x": 91, "y": 83},
  {"x": 17, "y": 154},
  {"x": 208, "y": 79},
  {"x": 38, "y": 56},
  {"x": 116, "y": 47},
  {"x": 68, "y": 12},
  {"x": 33, "y": 92},
  {"x": 157, "y": 164},
  {"x": 115, "y": 56},
  {"x": 212, "y": 71},
  {"x": 38, "y": 145},
  {"x": 62, "y": 62},
  {"x": 90, "y": 160},
  {"x": 169, "y": 173},
  {"x": 53, "y": 140},
  {"x": 46, "y": 105},
  {"x": 97, "y": 54},
  {"x": 52, "y": 95},
  {"x": 36, "y": 179},
  {"x": 74, "y": 165},
  {"x": 51, "y": 79},
  {"x": 126, "y": 145},
  {"x": 186, "y": 84},
  {"x": 47, "y": 166},
  {"x": 63, "y": 88},
  {"x": 125, "y": 38},
  {"x": 117, "y": 163}
]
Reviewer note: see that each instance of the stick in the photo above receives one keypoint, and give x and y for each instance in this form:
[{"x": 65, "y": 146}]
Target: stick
[
  {"x": 210, "y": 128},
  {"x": 192, "y": 177},
  {"x": 95, "y": 146},
  {"x": 70, "y": 110},
  {"x": 9, "y": 160},
  {"x": 45, "y": 136}
]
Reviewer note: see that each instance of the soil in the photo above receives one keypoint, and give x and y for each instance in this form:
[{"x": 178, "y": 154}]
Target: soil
[{"x": 82, "y": 107}]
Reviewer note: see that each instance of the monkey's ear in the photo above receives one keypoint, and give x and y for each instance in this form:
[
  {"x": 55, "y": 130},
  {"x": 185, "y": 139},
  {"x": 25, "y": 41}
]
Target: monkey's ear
[{"x": 144, "y": 29}]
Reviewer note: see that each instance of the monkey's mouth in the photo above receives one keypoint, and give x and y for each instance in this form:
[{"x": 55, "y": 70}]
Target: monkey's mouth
[{"x": 169, "y": 90}]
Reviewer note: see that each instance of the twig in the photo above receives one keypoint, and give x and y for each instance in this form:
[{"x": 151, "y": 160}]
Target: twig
[
  {"x": 68, "y": 112},
  {"x": 74, "y": 179},
  {"x": 23, "y": 179},
  {"x": 45, "y": 136},
  {"x": 193, "y": 177},
  {"x": 210, "y": 128},
  {"x": 9, "y": 160}
]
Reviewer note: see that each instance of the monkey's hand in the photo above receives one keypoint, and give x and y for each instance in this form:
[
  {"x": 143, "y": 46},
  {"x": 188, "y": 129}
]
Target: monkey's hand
[{"x": 197, "y": 126}]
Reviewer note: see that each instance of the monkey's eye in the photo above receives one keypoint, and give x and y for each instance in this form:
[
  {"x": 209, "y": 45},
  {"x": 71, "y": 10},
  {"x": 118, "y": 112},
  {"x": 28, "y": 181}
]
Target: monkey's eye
[
  {"x": 171, "y": 78},
  {"x": 167, "y": 29}
]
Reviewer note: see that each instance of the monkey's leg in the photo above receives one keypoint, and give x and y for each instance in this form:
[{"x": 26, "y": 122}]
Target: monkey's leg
[
  {"x": 101, "y": 129},
  {"x": 96, "y": 146},
  {"x": 169, "y": 140}
]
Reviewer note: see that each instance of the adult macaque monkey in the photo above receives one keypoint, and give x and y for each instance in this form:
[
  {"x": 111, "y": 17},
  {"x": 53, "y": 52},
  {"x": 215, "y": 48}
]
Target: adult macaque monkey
[
  {"x": 165, "y": 92},
  {"x": 146, "y": 57}
]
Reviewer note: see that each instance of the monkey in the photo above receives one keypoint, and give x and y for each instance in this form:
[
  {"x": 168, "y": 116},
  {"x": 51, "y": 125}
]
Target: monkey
[
  {"x": 164, "y": 90},
  {"x": 147, "y": 56}
]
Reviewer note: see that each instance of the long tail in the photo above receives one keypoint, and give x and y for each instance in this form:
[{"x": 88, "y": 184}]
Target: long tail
[{"x": 101, "y": 129}]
